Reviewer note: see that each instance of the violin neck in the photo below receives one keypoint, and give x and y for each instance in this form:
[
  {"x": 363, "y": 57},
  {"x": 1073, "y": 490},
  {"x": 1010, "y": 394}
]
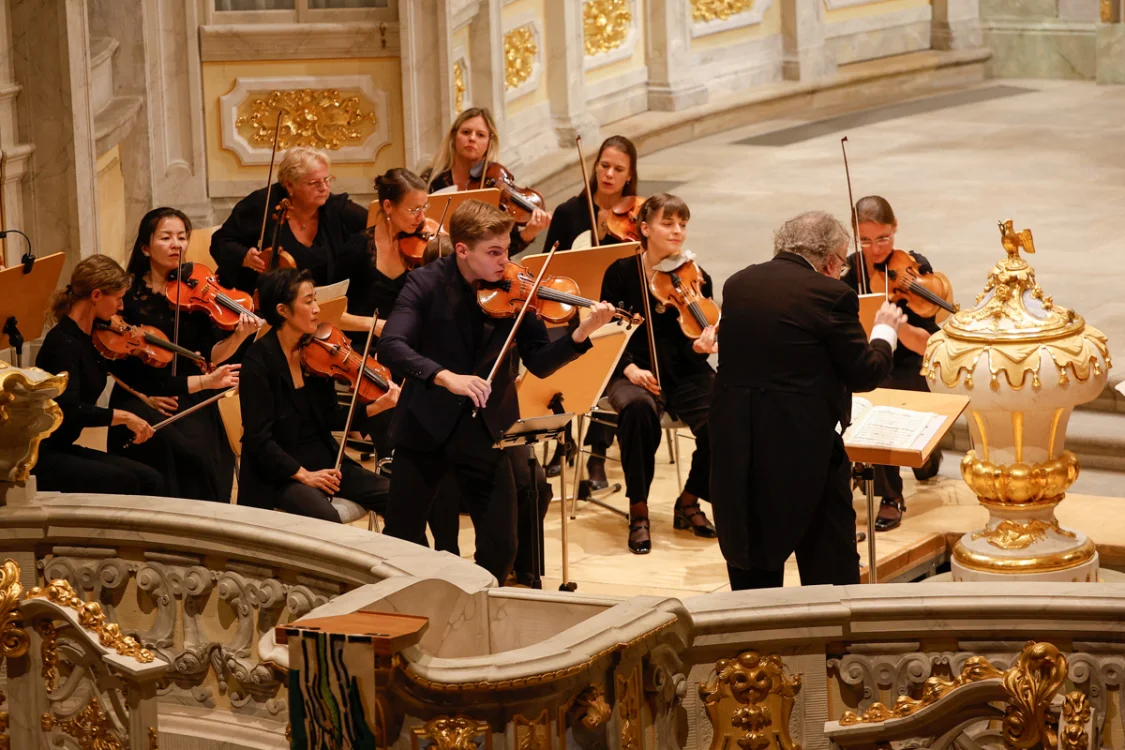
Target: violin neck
[{"x": 165, "y": 344}]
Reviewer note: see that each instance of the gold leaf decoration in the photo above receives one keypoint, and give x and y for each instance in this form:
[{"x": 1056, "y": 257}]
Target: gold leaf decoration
[
  {"x": 976, "y": 668},
  {"x": 49, "y": 654},
  {"x": 458, "y": 87},
  {"x": 13, "y": 638},
  {"x": 90, "y": 727},
  {"x": 703, "y": 11},
  {"x": 1031, "y": 684},
  {"x": 1076, "y": 713},
  {"x": 533, "y": 734},
  {"x": 317, "y": 118},
  {"x": 453, "y": 733},
  {"x": 749, "y": 701},
  {"x": 27, "y": 416},
  {"x": 592, "y": 709},
  {"x": 91, "y": 617},
  {"x": 605, "y": 25},
  {"x": 1009, "y": 534},
  {"x": 520, "y": 51}
]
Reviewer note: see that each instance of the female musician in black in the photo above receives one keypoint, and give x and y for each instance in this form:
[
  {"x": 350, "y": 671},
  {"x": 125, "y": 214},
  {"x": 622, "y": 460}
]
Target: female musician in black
[
  {"x": 472, "y": 140},
  {"x": 194, "y": 453},
  {"x": 318, "y": 227},
  {"x": 877, "y": 226},
  {"x": 685, "y": 376},
  {"x": 615, "y": 177},
  {"x": 288, "y": 452},
  {"x": 94, "y": 293}
]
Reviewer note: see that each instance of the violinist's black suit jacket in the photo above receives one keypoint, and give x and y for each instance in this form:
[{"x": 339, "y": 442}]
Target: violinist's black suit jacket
[
  {"x": 437, "y": 325},
  {"x": 791, "y": 352}
]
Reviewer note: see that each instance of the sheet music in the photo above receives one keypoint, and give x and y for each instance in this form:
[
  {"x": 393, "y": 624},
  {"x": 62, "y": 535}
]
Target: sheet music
[
  {"x": 891, "y": 427},
  {"x": 332, "y": 291}
]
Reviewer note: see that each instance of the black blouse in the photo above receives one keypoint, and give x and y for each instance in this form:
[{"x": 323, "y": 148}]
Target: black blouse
[
  {"x": 371, "y": 290},
  {"x": 66, "y": 348},
  {"x": 445, "y": 180},
  {"x": 569, "y": 220},
  {"x": 340, "y": 218},
  {"x": 677, "y": 359}
]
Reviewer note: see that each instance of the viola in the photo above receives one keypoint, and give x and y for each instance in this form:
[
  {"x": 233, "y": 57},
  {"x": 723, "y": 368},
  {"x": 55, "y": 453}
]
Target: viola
[
  {"x": 412, "y": 245},
  {"x": 329, "y": 353},
  {"x": 197, "y": 290},
  {"x": 276, "y": 256},
  {"x": 517, "y": 202},
  {"x": 622, "y": 220},
  {"x": 682, "y": 288},
  {"x": 925, "y": 294},
  {"x": 116, "y": 339},
  {"x": 557, "y": 300}
]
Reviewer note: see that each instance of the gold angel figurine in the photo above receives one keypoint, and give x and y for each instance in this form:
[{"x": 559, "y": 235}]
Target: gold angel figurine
[{"x": 1013, "y": 241}]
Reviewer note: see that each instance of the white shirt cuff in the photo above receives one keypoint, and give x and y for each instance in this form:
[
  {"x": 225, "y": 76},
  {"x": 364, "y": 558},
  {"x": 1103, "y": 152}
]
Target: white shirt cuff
[{"x": 885, "y": 332}]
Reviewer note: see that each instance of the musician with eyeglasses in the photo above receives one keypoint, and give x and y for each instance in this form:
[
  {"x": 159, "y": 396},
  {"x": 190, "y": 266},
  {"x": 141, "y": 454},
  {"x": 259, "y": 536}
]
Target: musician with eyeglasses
[{"x": 315, "y": 233}]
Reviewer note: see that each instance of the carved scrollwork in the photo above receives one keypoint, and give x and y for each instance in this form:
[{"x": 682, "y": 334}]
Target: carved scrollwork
[
  {"x": 590, "y": 707},
  {"x": 900, "y": 673},
  {"x": 750, "y": 700},
  {"x": 935, "y": 688},
  {"x": 91, "y": 617},
  {"x": 13, "y": 638},
  {"x": 318, "y": 118},
  {"x": 1073, "y": 727},
  {"x": 1031, "y": 685},
  {"x": 453, "y": 733},
  {"x": 91, "y": 727}
]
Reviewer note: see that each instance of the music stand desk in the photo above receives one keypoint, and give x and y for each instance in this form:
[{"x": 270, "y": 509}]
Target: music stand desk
[
  {"x": 454, "y": 198},
  {"x": 23, "y": 310}
]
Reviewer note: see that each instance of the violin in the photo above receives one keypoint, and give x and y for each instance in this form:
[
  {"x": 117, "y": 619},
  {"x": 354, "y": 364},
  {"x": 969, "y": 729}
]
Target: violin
[
  {"x": 682, "y": 288},
  {"x": 515, "y": 201},
  {"x": 278, "y": 258},
  {"x": 412, "y": 245},
  {"x": 557, "y": 300},
  {"x": 329, "y": 353},
  {"x": 197, "y": 290},
  {"x": 622, "y": 220},
  {"x": 116, "y": 339},
  {"x": 925, "y": 294}
]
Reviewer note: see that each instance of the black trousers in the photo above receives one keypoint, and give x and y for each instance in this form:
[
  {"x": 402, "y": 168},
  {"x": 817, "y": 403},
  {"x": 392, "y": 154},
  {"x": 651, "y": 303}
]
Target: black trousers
[
  {"x": 79, "y": 469},
  {"x": 638, "y": 431},
  {"x": 484, "y": 478},
  {"x": 356, "y": 484},
  {"x": 826, "y": 553},
  {"x": 888, "y": 479}
]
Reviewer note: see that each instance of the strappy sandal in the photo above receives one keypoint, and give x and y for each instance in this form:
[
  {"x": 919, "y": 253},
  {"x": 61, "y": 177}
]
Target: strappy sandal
[
  {"x": 689, "y": 516},
  {"x": 640, "y": 543},
  {"x": 886, "y": 524}
]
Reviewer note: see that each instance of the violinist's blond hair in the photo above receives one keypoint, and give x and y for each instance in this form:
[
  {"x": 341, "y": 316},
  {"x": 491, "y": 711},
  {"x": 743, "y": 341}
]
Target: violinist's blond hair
[
  {"x": 443, "y": 159},
  {"x": 298, "y": 162},
  {"x": 99, "y": 272},
  {"x": 474, "y": 221}
]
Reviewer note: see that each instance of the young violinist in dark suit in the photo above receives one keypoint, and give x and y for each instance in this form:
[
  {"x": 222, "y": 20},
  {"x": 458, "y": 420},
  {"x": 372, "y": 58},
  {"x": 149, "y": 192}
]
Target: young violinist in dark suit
[
  {"x": 440, "y": 339},
  {"x": 288, "y": 452},
  {"x": 791, "y": 353},
  {"x": 877, "y": 226},
  {"x": 94, "y": 293}
]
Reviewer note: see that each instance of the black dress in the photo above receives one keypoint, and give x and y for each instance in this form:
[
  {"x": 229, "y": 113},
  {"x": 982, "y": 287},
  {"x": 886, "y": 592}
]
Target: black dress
[
  {"x": 339, "y": 219},
  {"x": 371, "y": 291},
  {"x": 570, "y": 219},
  {"x": 194, "y": 453},
  {"x": 64, "y": 466}
]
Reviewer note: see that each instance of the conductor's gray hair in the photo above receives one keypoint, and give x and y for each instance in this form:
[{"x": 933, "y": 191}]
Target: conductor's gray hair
[{"x": 814, "y": 235}]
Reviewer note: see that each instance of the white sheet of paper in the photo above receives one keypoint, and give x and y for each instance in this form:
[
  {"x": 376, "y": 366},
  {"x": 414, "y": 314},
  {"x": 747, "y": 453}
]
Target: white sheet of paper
[
  {"x": 1121, "y": 387},
  {"x": 332, "y": 291},
  {"x": 890, "y": 427}
]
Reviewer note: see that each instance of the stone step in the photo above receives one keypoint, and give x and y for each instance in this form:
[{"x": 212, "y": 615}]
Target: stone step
[
  {"x": 1096, "y": 437},
  {"x": 102, "y": 51}
]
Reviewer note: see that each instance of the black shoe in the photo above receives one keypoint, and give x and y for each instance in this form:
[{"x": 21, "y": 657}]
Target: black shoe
[
  {"x": 930, "y": 469},
  {"x": 640, "y": 543},
  {"x": 887, "y": 523},
  {"x": 595, "y": 470},
  {"x": 554, "y": 468},
  {"x": 690, "y": 516}
]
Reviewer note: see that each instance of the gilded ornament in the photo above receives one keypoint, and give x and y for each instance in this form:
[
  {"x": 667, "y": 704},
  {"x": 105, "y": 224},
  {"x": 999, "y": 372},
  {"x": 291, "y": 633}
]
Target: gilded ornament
[
  {"x": 592, "y": 709},
  {"x": 13, "y": 638},
  {"x": 533, "y": 734},
  {"x": 458, "y": 87},
  {"x": 27, "y": 416},
  {"x": 5, "y": 741},
  {"x": 1105, "y": 9},
  {"x": 629, "y": 708},
  {"x": 49, "y": 653},
  {"x": 520, "y": 53},
  {"x": 1031, "y": 685},
  {"x": 91, "y": 727},
  {"x": 1019, "y": 484},
  {"x": 153, "y": 743},
  {"x": 1076, "y": 714},
  {"x": 317, "y": 118},
  {"x": 754, "y": 697},
  {"x": 1009, "y": 534},
  {"x": 605, "y": 25},
  {"x": 703, "y": 11},
  {"x": 975, "y": 669},
  {"x": 91, "y": 617},
  {"x": 1048, "y": 563},
  {"x": 453, "y": 733}
]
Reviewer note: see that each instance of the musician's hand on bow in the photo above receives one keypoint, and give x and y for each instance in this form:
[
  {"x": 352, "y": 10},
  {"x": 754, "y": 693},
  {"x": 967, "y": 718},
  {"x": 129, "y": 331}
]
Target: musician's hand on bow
[
  {"x": 325, "y": 480},
  {"x": 890, "y": 314},
  {"x": 387, "y": 401},
  {"x": 141, "y": 429},
  {"x": 600, "y": 314},
  {"x": 166, "y": 405},
  {"x": 708, "y": 341},
  {"x": 225, "y": 376},
  {"x": 477, "y": 389},
  {"x": 254, "y": 260},
  {"x": 643, "y": 378}
]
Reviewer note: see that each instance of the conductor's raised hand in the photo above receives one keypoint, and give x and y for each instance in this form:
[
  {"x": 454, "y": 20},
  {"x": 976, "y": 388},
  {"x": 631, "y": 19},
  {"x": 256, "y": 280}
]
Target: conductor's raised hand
[
  {"x": 477, "y": 389},
  {"x": 600, "y": 314},
  {"x": 890, "y": 314}
]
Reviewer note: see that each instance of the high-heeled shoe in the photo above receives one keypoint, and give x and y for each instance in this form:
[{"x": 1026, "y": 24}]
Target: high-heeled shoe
[
  {"x": 689, "y": 516},
  {"x": 640, "y": 542},
  {"x": 886, "y": 523},
  {"x": 595, "y": 472},
  {"x": 554, "y": 467}
]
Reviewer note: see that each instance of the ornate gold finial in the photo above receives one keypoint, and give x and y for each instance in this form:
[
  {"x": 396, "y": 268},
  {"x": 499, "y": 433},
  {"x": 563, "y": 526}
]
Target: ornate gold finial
[
  {"x": 91, "y": 617},
  {"x": 520, "y": 51},
  {"x": 605, "y": 25},
  {"x": 718, "y": 10},
  {"x": 317, "y": 118},
  {"x": 1013, "y": 241}
]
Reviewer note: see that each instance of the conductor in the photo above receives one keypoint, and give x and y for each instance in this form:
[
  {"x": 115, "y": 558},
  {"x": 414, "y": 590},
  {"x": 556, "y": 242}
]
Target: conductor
[{"x": 791, "y": 353}]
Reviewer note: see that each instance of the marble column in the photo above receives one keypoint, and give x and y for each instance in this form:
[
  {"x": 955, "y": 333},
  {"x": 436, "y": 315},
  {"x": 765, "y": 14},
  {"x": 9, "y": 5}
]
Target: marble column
[
  {"x": 486, "y": 58},
  {"x": 50, "y": 45},
  {"x": 671, "y": 83},
  {"x": 956, "y": 24},
  {"x": 15, "y": 156},
  {"x": 566, "y": 77},
  {"x": 804, "y": 56},
  {"x": 426, "y": 89}
]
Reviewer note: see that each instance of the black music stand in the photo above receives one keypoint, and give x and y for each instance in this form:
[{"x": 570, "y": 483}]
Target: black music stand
[{"x": 530, "y": 431}]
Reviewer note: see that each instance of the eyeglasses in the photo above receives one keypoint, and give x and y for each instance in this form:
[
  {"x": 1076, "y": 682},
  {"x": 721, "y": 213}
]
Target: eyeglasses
[
  {"x": 326, "y": 182},
  {"x": 884, "y": 240},
  {"x": 416, "y": 212}
]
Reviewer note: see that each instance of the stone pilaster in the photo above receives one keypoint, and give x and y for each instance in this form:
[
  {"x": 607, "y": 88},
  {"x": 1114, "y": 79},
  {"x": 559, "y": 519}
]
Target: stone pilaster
[
  {"x": 566, "y": 78},
  {"x": 804, "y": 56},
  {"x": 956, "y": 25},
  {"x": 671, "y": 83}
]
